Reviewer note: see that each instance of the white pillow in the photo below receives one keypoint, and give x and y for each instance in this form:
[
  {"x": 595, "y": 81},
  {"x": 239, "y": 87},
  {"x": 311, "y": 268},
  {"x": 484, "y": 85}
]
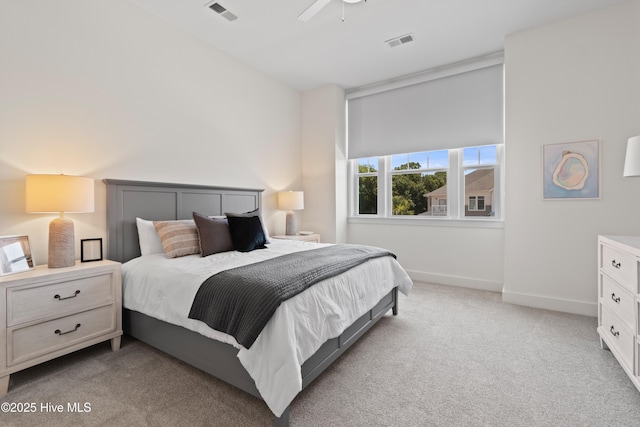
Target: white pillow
[{"x": 148, "y": 238}]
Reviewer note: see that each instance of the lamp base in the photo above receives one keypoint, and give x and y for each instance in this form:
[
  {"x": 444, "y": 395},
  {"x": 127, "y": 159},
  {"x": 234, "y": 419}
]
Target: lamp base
[
  {"x": 62, "y": 250},
  {"x": 291, "y": 224}
]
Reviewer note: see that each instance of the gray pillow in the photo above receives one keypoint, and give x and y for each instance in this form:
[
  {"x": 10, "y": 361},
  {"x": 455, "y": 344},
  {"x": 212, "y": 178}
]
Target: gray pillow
[{"x": 214, "y": 234}]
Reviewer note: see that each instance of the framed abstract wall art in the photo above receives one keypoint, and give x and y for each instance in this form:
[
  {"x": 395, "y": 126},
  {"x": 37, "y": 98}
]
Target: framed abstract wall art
[{"x": 571, "y": 170}]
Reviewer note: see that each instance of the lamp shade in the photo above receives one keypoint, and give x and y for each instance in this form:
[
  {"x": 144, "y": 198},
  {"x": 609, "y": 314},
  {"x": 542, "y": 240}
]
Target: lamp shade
[
  {"x": 291, "y": 200},
  {"x": 59, "y": 193},
  {"x": 632, "y": 158}
]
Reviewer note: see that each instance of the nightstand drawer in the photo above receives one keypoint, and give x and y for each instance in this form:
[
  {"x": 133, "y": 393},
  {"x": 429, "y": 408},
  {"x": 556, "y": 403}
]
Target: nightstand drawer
[
  {"x": 42, "y": 338},
  {"x": 618, "y": 336},
  {"x": 33, "y": 303},
  {"x": 620, "y": 266},
  {"x": 618, "y": 299}
]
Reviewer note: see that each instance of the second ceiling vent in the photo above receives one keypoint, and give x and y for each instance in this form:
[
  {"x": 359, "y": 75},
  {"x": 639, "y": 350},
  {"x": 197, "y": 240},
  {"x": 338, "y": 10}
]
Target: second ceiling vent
[
  {"x": 397, "y": 41},
  {"x": 222, "y": 11}
]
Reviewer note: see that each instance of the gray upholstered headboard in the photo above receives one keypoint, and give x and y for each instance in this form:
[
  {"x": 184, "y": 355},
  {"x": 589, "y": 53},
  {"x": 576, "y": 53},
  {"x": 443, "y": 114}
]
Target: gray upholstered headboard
[{"x": 160, "y": 201}]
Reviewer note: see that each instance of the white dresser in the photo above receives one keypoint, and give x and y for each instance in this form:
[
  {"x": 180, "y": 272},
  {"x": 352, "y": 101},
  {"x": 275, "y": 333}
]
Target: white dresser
[
  {"x": 619, "y": 300},
  {"x": 49, "y": 312}
]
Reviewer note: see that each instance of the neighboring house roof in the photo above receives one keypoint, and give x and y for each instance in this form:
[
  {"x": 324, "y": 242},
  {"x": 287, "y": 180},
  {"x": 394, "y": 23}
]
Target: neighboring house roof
[
  {"x": 479, "y": 180},
  {"x": 476, "y": 181},
  {"x": 440, "y": 192}
]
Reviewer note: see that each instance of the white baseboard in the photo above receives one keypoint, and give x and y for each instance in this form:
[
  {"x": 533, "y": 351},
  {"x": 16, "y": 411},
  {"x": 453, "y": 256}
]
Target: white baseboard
[
  {"x": 463, "y": 282},
  {"x": 529, "y": 300},
  {"x": 555, "y": 304}
]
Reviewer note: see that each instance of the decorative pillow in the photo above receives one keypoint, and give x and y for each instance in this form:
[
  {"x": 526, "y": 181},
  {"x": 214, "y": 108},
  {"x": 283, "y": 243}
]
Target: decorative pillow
[
  {"x": 148, "y": 238},
  {"x": 255, "y": 212},
  {"x": 179, "y": 238},
  {"x": 246, "y": 233},
  {"x": 214, "y": 234}
]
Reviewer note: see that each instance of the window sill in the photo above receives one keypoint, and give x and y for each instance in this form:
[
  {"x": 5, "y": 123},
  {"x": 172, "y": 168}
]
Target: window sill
[{"x": 427, "y": 222}]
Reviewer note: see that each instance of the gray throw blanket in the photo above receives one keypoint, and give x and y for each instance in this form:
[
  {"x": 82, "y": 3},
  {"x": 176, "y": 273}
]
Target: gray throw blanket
[{"x": 240, "y": 301}]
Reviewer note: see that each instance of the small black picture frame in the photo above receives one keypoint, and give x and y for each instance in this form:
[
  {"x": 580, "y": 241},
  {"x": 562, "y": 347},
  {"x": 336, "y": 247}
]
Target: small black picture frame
[{"x": 91, "y": 250}]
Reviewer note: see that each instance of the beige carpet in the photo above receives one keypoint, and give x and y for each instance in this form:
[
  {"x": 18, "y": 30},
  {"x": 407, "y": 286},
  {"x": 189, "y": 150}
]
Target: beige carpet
[{"x": 452, "y": 357}]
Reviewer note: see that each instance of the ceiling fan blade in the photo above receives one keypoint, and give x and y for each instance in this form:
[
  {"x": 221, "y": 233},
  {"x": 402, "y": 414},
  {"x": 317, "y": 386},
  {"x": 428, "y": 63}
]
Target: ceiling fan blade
[{"x": 315, "y": 7}]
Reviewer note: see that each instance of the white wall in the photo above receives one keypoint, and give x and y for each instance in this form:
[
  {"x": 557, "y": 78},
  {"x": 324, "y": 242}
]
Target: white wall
[
  {"x": 573, "y": 80},
  {"x": 106, "y": 90},
  {"x": 459, "y": 256},
  {"x": 324, "y": 165},
  {"x": 103, "y": 89},
  {"x": 467, "y": 256}
]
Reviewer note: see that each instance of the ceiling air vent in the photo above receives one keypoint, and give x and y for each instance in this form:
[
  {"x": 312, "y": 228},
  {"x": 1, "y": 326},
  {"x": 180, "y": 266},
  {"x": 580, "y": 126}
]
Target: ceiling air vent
[
  {"x": 397, "y": 41},
  {"x": 222, "y": 11}
]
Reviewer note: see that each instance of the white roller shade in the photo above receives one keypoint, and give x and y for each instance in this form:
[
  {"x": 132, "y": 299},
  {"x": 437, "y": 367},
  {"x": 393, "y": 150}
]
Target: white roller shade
[{"x": 461, "y": 110}]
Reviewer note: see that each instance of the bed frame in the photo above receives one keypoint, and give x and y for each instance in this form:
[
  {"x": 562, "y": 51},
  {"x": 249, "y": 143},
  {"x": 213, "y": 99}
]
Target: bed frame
[{"x": 127, "y": 200}]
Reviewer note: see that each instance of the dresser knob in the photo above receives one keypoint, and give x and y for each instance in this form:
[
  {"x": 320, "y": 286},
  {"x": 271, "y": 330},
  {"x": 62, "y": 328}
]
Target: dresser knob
[
  {"x": 614, "y": 332},
  {"x": 616, "y": 264},
  {"x": 57, "y": 331},
  {"x": 59, "y": 298},
  {"x": 615, "y": 299}
]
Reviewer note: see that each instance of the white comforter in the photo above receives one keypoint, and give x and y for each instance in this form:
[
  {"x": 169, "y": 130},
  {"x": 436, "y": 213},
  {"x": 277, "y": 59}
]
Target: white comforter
[{"x": 164, "y": 288}]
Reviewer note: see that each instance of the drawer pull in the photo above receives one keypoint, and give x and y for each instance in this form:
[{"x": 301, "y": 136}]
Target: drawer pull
[
  {"x": 59, "y": 298},
  {"x": 616, "y": 264},
  {"x": 57, "y": 331},
  {"x": 615, "y": 298},
  {"x": 612, "y": 330}
]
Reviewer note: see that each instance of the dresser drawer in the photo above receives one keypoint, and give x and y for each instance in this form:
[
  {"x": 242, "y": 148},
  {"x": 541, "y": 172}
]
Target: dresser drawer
[
  {"x": 39, "y": 302},
  {"x": 618, "y": 299},
  {"x": 620, "y": 266},
  {"x": 619, "y": 337},
  {"x": 42, "y": 338}
]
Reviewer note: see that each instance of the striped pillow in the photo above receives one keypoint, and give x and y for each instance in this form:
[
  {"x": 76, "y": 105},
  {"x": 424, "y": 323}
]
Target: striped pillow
[{"x": 179, "y": 238}]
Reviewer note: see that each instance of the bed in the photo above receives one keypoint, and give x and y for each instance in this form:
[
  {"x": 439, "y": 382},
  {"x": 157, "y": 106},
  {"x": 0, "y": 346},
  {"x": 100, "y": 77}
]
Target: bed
[{"x": 220, "y": 357}]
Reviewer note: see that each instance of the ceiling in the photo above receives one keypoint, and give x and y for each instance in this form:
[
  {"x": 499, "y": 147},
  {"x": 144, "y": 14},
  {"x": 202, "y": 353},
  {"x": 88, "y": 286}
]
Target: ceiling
[{"x": 352, "y": 53}]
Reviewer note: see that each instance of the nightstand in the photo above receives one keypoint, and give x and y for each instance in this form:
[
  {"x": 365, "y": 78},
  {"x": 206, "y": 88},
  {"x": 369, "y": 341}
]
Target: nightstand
[
  {"x": 51, "y": 312},
  {"x": 306, "y": 238}
]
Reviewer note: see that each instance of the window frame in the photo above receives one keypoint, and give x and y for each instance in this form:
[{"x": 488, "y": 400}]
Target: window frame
[
  {"x": 355, "y": 166},
  {"x": 480, "y": 165},
  {"x": 477, "y": 202},
  {"x": 423, "y": 170},
  {"x": 455, "y": 192}
]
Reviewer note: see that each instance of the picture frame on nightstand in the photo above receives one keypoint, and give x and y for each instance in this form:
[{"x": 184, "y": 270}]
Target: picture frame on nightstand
[
  {"x": 15, "y": 255},
  {"x": 91, "y": 250}
]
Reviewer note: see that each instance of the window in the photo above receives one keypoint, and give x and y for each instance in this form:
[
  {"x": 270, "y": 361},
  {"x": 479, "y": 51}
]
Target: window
[
  {"x": 476, "y": 203},
  {"x": 479, "y": 164},
  {"x": 418, "y": 182},
  {"x": 450, "y": 123},
  {"x": 367, "y": 175},
  {"x": 425, "y": 184}
]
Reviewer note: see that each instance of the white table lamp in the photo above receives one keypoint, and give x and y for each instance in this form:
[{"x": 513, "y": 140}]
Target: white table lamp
[
  {"x": 60, "y": 193},
  {"x": 632, "y": 158},
  {"x": 291, "y": 201}
]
